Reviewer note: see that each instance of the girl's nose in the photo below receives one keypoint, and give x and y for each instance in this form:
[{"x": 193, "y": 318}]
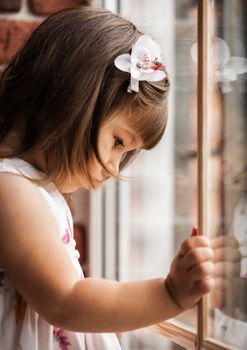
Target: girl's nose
[{"x": 113, "y": 167}]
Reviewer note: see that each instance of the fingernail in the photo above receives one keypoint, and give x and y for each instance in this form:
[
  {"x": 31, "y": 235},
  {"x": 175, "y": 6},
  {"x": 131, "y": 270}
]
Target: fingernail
[{"x": 194, "y": 231}]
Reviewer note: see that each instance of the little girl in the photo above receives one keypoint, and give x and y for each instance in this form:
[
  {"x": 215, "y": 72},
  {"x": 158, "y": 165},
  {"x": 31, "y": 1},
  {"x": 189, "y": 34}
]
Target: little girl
[{"x": 77, "y": 103}]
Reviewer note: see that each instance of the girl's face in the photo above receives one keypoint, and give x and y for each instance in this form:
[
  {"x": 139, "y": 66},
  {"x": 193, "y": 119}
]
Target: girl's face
[{"x": 116, "y": 139}]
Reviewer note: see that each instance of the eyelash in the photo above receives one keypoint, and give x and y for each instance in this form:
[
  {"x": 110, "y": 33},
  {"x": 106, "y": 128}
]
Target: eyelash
[{"x": 118, "y": 142}]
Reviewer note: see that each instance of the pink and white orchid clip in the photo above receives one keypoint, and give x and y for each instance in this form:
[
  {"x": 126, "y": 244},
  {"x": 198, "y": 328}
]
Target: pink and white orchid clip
[{"x": 144, "y": 63}]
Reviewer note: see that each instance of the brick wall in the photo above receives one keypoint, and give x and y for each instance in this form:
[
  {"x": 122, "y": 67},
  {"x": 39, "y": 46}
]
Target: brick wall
[{"x": 19, "y": 17}]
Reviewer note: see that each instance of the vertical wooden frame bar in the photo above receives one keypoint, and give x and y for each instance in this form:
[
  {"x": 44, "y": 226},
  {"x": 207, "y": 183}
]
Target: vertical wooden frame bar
[{"x": 202, "y": 110}]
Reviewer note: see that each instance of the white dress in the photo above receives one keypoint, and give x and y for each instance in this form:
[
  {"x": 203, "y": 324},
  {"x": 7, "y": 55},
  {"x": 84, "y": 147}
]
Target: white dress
[{"x": 21, "y": 328}]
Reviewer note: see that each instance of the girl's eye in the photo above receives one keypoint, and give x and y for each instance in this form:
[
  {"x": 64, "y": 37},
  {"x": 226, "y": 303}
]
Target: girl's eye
[{"x": 118, "y": 142}]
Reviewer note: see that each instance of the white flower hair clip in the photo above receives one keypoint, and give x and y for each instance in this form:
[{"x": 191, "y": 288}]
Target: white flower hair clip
[{"x": 144, "y": 63}]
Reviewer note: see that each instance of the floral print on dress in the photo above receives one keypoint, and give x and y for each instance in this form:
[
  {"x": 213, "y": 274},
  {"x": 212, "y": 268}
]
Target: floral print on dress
[
  {"x": 62, "y": 340},
  {"x": 66, "y": 236},
  {"x": 68, "y": 233}
]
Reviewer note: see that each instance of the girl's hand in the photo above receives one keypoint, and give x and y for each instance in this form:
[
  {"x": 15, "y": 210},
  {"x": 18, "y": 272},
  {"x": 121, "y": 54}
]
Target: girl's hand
[{"x": 190, "y": 273}]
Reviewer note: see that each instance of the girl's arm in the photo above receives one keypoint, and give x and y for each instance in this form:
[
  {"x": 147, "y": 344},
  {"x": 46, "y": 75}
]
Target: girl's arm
[{"x": 37, "y": 262}]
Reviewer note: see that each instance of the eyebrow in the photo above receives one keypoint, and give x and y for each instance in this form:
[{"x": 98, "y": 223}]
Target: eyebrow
[{"x": 131, "y": 135}]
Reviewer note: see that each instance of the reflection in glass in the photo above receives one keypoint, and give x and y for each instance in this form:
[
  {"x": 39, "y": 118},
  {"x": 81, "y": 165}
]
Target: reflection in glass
[{"x": 227, "y": 169}]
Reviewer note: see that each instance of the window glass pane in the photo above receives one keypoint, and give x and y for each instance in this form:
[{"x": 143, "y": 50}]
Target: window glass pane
[
  {"x": 227, "y": 170},
  {"x": 158, "y": 206}
]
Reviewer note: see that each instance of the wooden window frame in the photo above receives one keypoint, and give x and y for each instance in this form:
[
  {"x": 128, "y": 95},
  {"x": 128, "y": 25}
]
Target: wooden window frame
[{"x": 172, "y": 330}]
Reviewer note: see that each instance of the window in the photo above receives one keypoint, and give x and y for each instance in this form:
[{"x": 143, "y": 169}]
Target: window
[{"x": 201, "y": 178}]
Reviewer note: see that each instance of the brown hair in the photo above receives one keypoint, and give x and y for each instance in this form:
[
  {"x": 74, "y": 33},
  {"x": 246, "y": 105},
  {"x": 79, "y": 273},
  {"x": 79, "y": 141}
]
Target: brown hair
[{"x": 62, "y": 85}]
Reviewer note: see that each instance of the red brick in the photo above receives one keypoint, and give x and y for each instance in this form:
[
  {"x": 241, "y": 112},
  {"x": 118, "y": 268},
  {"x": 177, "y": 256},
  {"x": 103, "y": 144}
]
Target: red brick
[
  {"x": 12, "y": 36},
  {"x": 41, "y": 7},
  {"x": 10, "y": 5}
]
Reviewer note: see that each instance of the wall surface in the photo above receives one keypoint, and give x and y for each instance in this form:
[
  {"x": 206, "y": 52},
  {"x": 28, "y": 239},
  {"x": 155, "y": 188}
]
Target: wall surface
[{"x": 18, "y": 18}]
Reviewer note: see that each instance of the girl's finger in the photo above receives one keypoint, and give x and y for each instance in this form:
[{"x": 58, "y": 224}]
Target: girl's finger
[
  {"x": 197, "y": 256},
  {"x": 193, "y": 242},
  {"x": 201, "y": 271},
  {"x": 204, "y": 286}
]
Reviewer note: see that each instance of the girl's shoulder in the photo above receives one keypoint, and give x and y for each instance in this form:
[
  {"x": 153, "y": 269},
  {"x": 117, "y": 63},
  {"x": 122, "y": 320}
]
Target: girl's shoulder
[
  {"x": 18, "y": 189},
  {"x": 19, "y": 167},
  {"x": 14, "y": 177},
  {"x": 17, "y": 174},
  {"x": 16, "y": 185}
]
